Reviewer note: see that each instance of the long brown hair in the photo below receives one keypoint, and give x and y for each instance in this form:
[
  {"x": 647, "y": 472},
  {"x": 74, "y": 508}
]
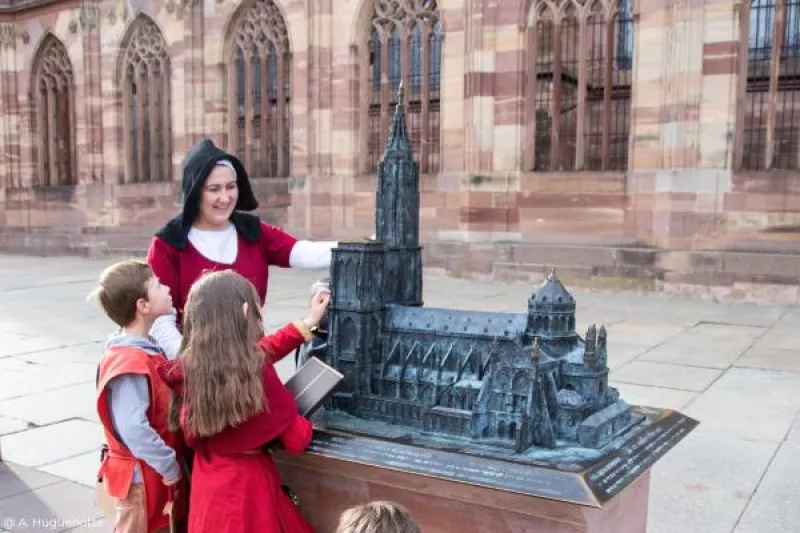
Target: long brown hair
[{"x": 221, "y": 362}]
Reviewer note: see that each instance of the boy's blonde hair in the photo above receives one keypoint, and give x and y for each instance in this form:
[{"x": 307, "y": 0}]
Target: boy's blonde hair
[
  {"x": 122, "y": 285},
  {"x": 377, "y": 517}
]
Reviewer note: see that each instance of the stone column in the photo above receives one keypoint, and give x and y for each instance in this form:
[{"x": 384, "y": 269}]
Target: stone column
[
  {"x": 89, "y": 97},
  {"x": 193, "y": 76},
  {"x": 682, "y": 119},
  {"x": 9, "y": 164}
]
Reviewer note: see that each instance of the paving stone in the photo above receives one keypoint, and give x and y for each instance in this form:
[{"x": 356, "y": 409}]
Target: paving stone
[
  {"x": 776, "y": 504},
  {"x": 18, "y": 378},
  {"x": 76, "y": 401},
  {"x": 642, "y": 334},
  {"x": 16, "y": 479},
  {"x": 11, "y": 425},
  {"x": 48, "y": 444},
  {"x": 654, "y": 396},
  {"x": 663, "y": 375},
  {"x": 80, "y": 469},
  {"x": 783, "y": 337},
  {"x": 706, "y": 345},
  {"x": 794, "y": 430},
  {"x": 54, "y": 508},
  {"x": 620, "y": 353},
  {"x": 770, "y": 359},
  {"x": 84, "y": 352},
  {"x": 749, "y": 404},
  {"x": 696, "y": 488}
]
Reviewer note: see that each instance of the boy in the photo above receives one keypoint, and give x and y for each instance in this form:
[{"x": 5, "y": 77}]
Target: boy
[
  {"x": 377, "y": 517},
  {"x": 142, "y": 466},
  {"x": 318, "y": 346}
]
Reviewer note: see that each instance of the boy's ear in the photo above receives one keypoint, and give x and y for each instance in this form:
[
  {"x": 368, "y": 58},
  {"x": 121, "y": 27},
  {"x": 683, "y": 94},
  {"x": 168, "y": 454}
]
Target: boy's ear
[{"x": 142, "y": 306}]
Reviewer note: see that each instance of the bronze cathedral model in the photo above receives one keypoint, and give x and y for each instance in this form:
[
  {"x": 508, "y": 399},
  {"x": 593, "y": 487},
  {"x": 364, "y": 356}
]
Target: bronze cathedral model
[{"x": 500, "y": 383}]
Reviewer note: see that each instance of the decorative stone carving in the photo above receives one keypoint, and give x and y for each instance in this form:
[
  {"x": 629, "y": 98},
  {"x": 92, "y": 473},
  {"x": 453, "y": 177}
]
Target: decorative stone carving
[
  {"x": 26, "y": 38},
  {"x": 89, "y": 17},
  {"x": 73, "y": 26}
]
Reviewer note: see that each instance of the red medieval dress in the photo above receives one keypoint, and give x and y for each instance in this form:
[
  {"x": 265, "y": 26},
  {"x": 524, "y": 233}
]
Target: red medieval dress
[
  {"x": 234, "y": 488},
  {"x": 262, "y": 246}
]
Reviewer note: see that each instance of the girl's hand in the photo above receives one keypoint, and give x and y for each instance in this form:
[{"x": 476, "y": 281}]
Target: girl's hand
[{"x": 319, "y": 303}]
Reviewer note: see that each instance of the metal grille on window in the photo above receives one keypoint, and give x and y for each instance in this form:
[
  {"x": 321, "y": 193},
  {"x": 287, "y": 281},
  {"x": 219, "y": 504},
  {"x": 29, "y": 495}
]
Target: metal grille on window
[
  {"x": 768, "y": 128},
  {"x": 259, "y": 98},
  {"x": 146, "y": 105},
  {"x": 54, "y": 111},
  {"x": 405, "y": 43},
  {"x": 580, "y": 60}
]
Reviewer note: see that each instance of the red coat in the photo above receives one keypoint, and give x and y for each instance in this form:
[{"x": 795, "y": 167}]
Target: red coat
[
  {"x": 233, "y": 490},
  {"x": 118, "y": 465},
  {"x": 179, "y": 269}
]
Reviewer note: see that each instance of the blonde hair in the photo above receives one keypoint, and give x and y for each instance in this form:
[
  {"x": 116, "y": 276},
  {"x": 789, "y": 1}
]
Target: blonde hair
[
  {"x": 221, "y": 361},
  {"x": 120, "y": 287},
  {"x": 377, "y": 517}
]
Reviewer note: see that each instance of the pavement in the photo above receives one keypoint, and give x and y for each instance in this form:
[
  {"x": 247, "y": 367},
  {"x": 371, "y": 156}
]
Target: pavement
[{"x": 733, "y": 366}]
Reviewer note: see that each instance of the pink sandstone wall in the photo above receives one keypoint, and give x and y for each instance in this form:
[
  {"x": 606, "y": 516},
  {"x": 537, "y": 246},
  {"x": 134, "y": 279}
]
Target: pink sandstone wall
[{"x": 679, "y": 219}]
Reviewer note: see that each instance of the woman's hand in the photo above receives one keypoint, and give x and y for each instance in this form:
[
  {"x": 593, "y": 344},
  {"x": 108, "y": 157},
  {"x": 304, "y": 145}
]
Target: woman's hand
[{"x": 319, "y": 304}]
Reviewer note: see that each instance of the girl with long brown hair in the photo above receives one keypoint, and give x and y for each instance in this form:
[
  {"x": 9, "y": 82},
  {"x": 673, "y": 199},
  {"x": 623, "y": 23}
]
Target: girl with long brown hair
[{"x": 229, "y": 402}]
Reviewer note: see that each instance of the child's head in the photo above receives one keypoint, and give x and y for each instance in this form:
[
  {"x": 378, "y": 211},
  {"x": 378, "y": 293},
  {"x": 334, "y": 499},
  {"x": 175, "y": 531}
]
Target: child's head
[
  {"x": 222, "y": 363},
  {"x": 377, "y": 517},
  {"x": 129, "y": 290}
]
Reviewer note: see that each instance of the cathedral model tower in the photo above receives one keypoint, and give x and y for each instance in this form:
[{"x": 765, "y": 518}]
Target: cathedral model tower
[{"x": 505, "y": 380}]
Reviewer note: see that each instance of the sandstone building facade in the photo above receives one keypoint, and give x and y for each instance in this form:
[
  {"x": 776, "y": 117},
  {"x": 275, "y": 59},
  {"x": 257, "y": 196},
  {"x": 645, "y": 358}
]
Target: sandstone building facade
[{"x": 627, "y": 142}]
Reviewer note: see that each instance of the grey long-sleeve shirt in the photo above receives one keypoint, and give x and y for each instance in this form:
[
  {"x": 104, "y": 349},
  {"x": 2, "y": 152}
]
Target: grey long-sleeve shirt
[{"x": 128, "y": 399}]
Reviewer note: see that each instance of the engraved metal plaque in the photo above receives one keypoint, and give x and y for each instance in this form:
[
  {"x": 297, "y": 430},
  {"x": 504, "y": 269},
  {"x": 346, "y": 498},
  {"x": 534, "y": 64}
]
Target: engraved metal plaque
[{"x": 590, "y": 480}]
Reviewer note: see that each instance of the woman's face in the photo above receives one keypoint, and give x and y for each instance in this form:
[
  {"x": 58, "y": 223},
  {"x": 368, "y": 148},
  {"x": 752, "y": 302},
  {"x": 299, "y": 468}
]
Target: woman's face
[{"x": 219, "y": 198}]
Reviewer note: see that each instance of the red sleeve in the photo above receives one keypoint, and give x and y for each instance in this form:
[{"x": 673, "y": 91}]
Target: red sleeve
[
  {"x": 277, "y": 245},
  {"x": 281, "y": 343},
  {"x": 298, "y": 436},
  {"x": 163, "y": 259}
]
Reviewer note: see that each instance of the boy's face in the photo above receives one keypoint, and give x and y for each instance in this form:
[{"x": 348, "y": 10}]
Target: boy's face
[{"x": 159, "y": 301}]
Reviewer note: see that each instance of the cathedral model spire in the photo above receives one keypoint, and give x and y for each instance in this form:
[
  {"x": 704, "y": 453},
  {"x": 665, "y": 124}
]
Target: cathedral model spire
[
  {"x": 397, "y": 214},
  {"x": 398, "y": 142}
]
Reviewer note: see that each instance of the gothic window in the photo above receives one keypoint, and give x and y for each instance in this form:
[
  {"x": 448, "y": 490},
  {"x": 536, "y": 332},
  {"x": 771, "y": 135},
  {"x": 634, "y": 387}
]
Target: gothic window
[
  {"x": 404, "y": 44},
  {"x": 147, "y": 120},
  {"x": 258, "y": 89},
  {"x": 54, "y": 99},
  {"x": 767, "y": 119},
  {"x": 579, "y": 95},
  {"x": 520, "y": 393}
]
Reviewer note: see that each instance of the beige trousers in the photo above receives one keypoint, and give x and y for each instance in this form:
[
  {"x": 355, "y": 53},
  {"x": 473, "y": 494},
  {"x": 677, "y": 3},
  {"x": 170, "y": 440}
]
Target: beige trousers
[{"x": 132, "y": 513}]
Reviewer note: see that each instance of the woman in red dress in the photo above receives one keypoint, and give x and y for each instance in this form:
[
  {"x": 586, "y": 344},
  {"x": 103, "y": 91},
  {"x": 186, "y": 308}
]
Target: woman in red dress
[
  {"x": 229, "y": 402},
  {"x": 213, "y": 232}
]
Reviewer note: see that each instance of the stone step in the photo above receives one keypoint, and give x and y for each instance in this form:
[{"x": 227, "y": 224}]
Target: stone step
[{"x": 586, "y": 277}]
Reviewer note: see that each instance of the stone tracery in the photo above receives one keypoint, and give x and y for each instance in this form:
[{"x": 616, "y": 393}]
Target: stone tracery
[
  {"x": 54, "y": 98},
  {"x": 258, "y": 88},
  {"x": 147, "y": 117}
]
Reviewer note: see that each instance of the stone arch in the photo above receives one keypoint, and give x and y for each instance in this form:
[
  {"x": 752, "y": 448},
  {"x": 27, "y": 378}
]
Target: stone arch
[
  {"x": 257, "y": 58},
  {"x": 402, "y": 41},
  {"x": 52, "y": 92},
  {"x": 144, "y": 78}
]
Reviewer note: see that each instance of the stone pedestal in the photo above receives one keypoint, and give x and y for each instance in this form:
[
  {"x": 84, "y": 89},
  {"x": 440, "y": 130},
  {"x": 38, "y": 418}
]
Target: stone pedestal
[{"x": 327, "y": 486}]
